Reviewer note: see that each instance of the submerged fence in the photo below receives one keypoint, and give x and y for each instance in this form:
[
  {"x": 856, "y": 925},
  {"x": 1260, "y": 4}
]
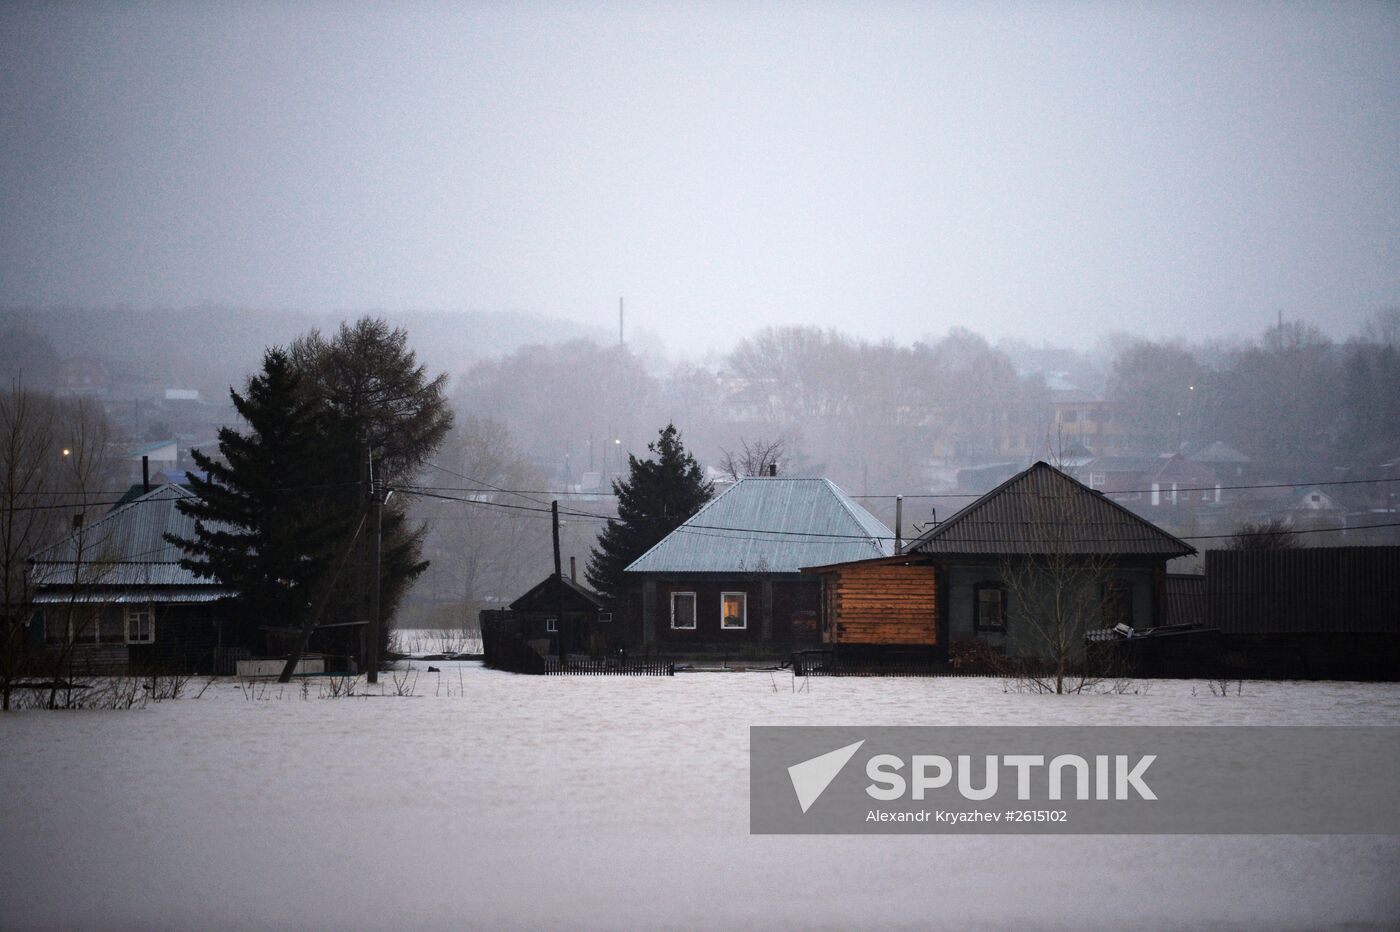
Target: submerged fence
[{"x": 609, "y": 666}]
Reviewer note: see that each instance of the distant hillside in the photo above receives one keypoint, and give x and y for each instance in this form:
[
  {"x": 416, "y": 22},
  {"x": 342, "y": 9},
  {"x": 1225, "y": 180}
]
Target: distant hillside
[{"x": 210, "y": 348}]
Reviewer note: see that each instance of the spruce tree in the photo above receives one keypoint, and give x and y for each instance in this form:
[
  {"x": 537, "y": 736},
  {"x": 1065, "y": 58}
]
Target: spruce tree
[
  {"x": 659, "y": 494},
  {"x": 266, "y": 518}
]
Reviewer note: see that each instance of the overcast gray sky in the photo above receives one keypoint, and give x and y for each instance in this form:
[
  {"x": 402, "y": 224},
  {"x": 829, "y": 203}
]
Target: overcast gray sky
[{"x": 1046, "y": 170}]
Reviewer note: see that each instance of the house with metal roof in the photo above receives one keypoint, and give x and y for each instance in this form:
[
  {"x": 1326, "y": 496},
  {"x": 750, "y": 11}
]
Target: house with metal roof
[
  {"x": 113, "y": 596},
  {"x": 729, "y": 580},
  {"x": 989, "y": 573}
]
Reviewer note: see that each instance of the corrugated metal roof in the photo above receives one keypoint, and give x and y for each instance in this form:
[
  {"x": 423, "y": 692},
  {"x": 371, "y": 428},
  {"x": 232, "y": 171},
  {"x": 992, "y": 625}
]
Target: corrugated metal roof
[
  {"x": 1041, "y": 510},
  {"x": 770, "y": 525},
  {"x": 126, "y": 547},
  {"x": 134, "y": 595}
]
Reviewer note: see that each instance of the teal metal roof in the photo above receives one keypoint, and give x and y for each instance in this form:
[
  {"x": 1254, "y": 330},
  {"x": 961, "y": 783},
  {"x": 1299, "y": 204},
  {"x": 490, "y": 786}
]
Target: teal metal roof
[
  {"x": 770, "y": 525},
  {"x": 126, "y": 547}
]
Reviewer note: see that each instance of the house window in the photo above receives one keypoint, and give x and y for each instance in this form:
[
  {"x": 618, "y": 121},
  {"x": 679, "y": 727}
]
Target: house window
[
  {"x": 140, "y": 624},
  {"x": 1117, "y": 603},
  {"x": 683, "y": 610},
  {"x": 734, "y": 610},
  {"x": 551, "y": 624},
  {"x": 1097, "y": 480},
  {"x": 605, "y": 617},
  {"x": 990, "y": 607}
]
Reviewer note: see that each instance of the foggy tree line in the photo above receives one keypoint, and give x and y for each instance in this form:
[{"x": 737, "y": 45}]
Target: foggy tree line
[{"x": 880, "y": 417}]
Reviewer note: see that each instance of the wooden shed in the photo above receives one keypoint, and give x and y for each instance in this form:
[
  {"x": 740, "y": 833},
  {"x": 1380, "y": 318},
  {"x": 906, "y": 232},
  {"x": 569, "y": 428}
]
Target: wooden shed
[{"x": 893, "y": 601}]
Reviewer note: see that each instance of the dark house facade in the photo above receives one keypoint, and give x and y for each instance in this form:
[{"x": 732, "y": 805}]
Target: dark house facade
[
  {"x": 729, "y": 582},
  {"x": 586, "y": 624},
  {"x": 113, "y": 599},
  {"x": 988, "y": 573}
]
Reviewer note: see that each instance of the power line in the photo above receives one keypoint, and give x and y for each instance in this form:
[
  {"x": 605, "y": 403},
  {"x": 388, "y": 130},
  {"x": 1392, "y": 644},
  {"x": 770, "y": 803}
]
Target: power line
[
  {"x": 689, "y": 528},
  {"x": 489, "y": 486},
  {"x": 525, "y": 493}
]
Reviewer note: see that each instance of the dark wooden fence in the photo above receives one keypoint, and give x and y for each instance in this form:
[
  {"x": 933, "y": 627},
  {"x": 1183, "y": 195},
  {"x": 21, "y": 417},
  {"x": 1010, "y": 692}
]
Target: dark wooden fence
[
  {"x": 609, "y": 666},
  {"x": 502, "y": 647},
  {"x": 1335, "y": 590}
]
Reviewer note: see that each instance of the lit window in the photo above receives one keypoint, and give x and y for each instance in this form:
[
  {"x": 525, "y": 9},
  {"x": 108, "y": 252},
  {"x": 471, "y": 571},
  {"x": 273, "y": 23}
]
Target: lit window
[
  {"x": 990, "y": 608},
  {"x": 140, "y": 625},
  {"x": 734, "y": 610},
  {"x": 682, "y": 610}
]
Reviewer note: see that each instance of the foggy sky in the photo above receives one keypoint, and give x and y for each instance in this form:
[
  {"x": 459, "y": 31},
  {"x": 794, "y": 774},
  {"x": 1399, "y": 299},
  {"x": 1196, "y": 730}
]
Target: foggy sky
[{"x": 1051, "y": 171}]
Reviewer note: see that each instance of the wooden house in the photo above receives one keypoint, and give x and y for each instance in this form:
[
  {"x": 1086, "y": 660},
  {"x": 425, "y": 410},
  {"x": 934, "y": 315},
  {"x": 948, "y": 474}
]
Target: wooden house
[
  {"x": 113, "y": 597},
  {"x": 985, "y": 573},
  {"x": 729, "y": 581},
  {"x": 586, "y": 623}
]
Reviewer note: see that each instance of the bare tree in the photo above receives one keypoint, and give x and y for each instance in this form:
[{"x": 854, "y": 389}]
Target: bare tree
[
  {"x": 82, "y": 563},
  {"x": 753, "y": 459},
  {"x": 1059, "y": 591},
  {"x": 1274, "y": 534},
  {"x": 27, "y": 515}
]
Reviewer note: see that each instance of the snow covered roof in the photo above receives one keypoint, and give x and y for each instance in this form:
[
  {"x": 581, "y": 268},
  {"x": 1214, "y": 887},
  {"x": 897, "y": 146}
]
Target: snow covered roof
[{"x": 770, "y": 525}]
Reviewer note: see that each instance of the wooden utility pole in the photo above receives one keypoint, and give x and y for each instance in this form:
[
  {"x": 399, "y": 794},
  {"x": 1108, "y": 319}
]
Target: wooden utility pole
[
  {"x": 558, "y": 588},
  {"x": 377, "y": 494},
  {"x": 319, "y": 609}
]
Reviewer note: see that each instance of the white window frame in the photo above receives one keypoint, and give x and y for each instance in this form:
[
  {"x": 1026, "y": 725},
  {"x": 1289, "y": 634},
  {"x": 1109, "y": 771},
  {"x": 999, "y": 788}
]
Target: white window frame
[
  {"x": 551, "y": 624},
  {"x": 694, "y": 612},
  {"x": 604, "y": 618},
  {"x": 128, "y": 612},
  {"x": 743, "y": 619}
]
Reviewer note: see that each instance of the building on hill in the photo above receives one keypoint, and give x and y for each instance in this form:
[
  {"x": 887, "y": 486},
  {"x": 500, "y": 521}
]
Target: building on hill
[{"x": 729, "y": 581}]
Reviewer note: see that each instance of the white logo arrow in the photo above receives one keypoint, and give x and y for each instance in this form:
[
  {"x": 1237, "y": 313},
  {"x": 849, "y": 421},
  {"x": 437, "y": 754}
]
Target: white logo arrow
[{"x": 811, "y": 777}]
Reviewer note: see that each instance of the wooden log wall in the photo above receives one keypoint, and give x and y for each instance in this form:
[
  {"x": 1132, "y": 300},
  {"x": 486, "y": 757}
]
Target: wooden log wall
[{"x": 884, "y": 604}]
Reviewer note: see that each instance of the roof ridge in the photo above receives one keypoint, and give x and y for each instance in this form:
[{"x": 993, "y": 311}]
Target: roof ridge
[{"x": 1094, "y": 495}]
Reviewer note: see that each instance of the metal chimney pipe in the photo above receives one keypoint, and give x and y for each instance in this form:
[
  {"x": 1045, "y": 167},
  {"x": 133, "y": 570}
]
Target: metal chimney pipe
[
  {"x": 573, "y": 570},
  {"x": 898, "y": 523},
  {"x": 145, "y": 474}
]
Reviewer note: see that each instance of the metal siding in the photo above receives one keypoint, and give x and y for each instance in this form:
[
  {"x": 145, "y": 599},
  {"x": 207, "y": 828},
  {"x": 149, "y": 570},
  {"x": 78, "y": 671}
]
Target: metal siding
[{"x": 770, "y": 525}]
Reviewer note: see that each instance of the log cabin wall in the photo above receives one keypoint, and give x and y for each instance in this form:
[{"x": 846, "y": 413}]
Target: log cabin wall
[
  {"x": 781, "y": 613},
  {"x": 881, "y": 604}
]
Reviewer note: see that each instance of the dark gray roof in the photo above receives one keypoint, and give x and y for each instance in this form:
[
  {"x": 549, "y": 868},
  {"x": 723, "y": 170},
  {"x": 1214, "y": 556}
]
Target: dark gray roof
[
  {"x": 126, "y": 547},
  {"x": 544, "y": 590},
  {"x": 1041, "y": 510},
  {"x": 770, "y": 525}
]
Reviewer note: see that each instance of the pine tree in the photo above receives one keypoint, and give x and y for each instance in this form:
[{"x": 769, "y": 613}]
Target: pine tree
[
  {"x": 660, "y": 494},
  {"x": 265, "y": 517}
]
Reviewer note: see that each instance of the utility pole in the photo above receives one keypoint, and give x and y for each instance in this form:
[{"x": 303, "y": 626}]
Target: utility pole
[
  {"x": 558, "y": 588},
  {"x": 376, "y": 565}
]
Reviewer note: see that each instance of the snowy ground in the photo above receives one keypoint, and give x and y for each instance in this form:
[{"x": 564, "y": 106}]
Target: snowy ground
[{"x": 496, "y": 801}]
